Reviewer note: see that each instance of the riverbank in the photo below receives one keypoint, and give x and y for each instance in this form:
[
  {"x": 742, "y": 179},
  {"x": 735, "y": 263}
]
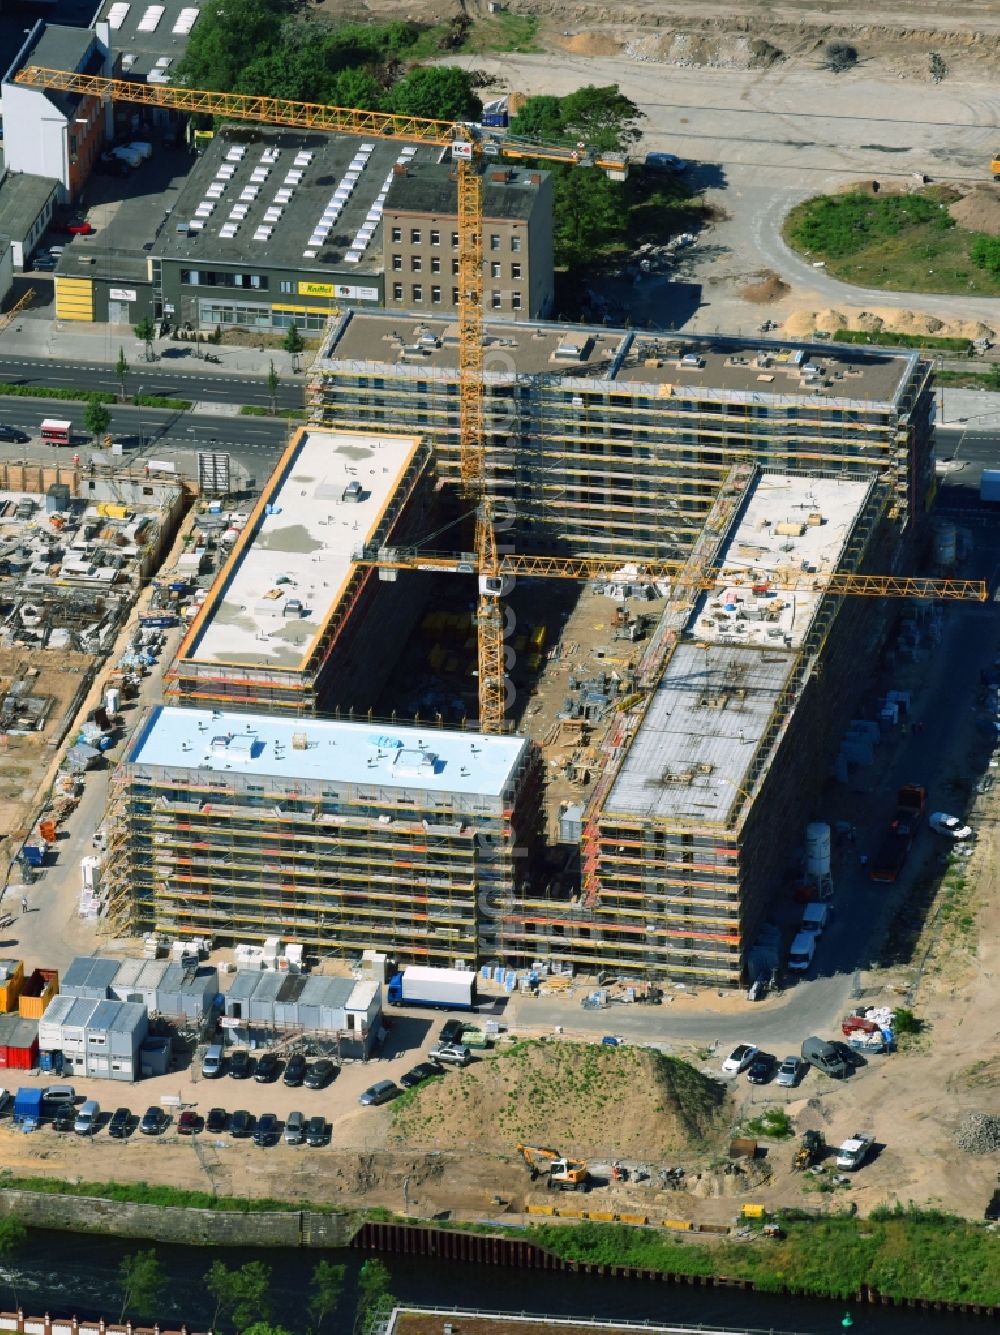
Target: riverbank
[{"x": 899, "y": 1255}]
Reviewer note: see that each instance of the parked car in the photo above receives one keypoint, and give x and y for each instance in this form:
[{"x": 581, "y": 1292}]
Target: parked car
[
  {"x": 120, "y": 1124},
  {"x": 739, "y": 1059},
  {"x": 295, "y": 1128},
  {"x": 216, "y": 1121},
  {"x": 80, "y": 229},
  {"x": 63, "y": 1117},
  {"x": 13, "y": 435},
  {"x": 318, "y": 1074},
  {"x": 58, "y": 1094},
  {"x": 451, "y": 1031},
  {"x": 761, "y": 1069},
  {"x": 788, "y": 1072},
  {"x": 241, "y": 1124},
  {"x": 240, "y": 1064},
  {"x": 154, "y": 1121},
  {"x": 87, "y": 1118},
  {"x": 213, "y": 1062},
  {"x": 825, "y": 1057},
  {"x": 950, "y": 826},
  {"x": 381, "y": 1092},
  {"x": 268, "y": 1068},
  {"x": 189, "y": 1122},
  {"x": 45, "y": 263},
  {"x": 666, "y": 162},
  {"x": 266, "y": 1131},
  {"x": 455, "y": 1054},
  {"x": 419, "y": 1073},
  {"x": 295, "y": 1070},
  {"x": 317, "y": 1132}
]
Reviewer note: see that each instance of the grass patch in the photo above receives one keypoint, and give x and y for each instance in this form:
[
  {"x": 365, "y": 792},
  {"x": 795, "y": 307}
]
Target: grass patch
[
  {"x": 906, "y": 243},
  {"x": 773, "y": 1123},
  {"x": 158, "y": 401},
  {"x": 885, "y": 338},
  {"x": 293, "y": 414},
  {"x": 901, "y": 1253},
  {"x": 44, "y": 392},
  {"x": 502, "y": 32},
  {"x": 969, "y": 379},
  {"x": 142, "y": 1193}
]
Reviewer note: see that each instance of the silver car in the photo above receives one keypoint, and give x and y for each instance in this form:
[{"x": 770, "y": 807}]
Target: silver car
[
  {"x": 295, "y": 1128},
  {"x": 789, "y": 1071}
]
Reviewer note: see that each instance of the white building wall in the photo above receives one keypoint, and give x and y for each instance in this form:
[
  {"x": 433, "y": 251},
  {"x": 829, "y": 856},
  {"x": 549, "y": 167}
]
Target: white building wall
[{"x": 35, "y": 135}]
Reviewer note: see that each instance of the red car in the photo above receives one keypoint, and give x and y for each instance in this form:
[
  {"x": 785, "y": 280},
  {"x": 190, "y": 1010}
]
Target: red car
[
  {"x": 80, "y": 229},
  {"x": 189, "y": 1122}
]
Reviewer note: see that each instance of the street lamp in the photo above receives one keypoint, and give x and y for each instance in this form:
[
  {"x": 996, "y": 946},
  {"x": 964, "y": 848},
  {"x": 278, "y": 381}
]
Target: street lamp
[{"x": 139, "y": 409}]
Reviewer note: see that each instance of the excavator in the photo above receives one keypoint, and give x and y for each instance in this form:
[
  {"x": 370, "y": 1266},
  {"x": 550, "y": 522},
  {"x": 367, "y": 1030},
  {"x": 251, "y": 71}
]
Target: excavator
[
  {"x": 562, "y": 1174},
  {"x": 810, "y": 1151}
]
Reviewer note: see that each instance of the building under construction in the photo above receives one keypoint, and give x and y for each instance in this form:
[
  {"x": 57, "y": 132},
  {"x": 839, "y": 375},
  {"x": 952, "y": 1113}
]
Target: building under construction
[
  {"x": 287, "y": 626},
  {"x": 777, "y": 466},
  {"x": 615, "y": 442},
  {"x": 337, "y": 835}
]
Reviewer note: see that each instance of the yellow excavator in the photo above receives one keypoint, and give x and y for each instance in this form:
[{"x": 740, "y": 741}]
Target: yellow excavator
[
  {"x": 562, "y": 1174},
  {"x": 995, "y": 167}
]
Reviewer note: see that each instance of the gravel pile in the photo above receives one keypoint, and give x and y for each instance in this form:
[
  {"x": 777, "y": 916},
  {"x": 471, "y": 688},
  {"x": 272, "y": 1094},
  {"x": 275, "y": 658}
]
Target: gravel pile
[{"x": 979, "y": 1133}]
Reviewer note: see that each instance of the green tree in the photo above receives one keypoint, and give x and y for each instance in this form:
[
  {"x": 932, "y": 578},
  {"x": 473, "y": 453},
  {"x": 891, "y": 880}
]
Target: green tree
[
  {"x": 293, "y": 344},
  {"x": 589, "y": 212},
  {"x": 241, "y": 1296},
  {"x": 272, "y": 387},
  {"x": 265, "y": 1328},
  {"x": 986, "y": 253},
  {"x": 540, "y": 118},
  {"x": 325, "y": 1288},
  {"x": 121, "y": 369},
  {"x": 96, "y": 416},
  {"x": 145, "y": 332},
  {"x": 228, "y": 38},
  {"x": 602, "y": 117},
  {"x": 374, "y": 1294},
  {"x": 436, "y": 91},
  {"x": 13, "y": 1236},
  {"x": 143, "y": 1281}
]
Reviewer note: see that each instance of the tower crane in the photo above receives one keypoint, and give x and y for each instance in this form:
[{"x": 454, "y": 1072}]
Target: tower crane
[{"x": 469, "y": 152}]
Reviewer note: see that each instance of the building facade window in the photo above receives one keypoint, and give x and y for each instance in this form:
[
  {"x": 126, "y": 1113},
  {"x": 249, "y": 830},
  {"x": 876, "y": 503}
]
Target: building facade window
[
  {"x": 416, "y": 264},
  {"x": 515, "y": 243},
  {"x": 515, "y": 301},
  {"x": 418, "y": 292},
  {"x": 454, "y": 240},
  {"x": 396, "y": 234},
  {"x": 454, "y": 266},
  {"x": 397, "y": 263},
  {"x": 435, "y": 237},
  {"x": 496, "y": 300},
  {"x": 436, "y": 296},
  {"x": 286, "y": 285},
  {"x": 495, "y": 269},
  {"x": 214, "y": 278},
  {"x": 454, "y": 296},
  {"x": 435, "y": 264},
  {"x": 414, "y": 236},
  {"x": 397, "y": 291},
  {"x": 494, "y": 240},
  {"x": 515, "y": 271}
]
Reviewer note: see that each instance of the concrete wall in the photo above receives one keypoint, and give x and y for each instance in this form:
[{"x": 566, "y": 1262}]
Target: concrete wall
[{"x": 196, "y": 1228}]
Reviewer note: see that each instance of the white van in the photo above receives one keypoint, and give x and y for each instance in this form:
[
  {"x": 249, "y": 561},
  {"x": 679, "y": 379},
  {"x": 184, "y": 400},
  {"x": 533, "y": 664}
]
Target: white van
[
  {"x": 87, "y": 1118},
  {"x": 814, "y": 918},
  {"x": 803, "y": 949}
]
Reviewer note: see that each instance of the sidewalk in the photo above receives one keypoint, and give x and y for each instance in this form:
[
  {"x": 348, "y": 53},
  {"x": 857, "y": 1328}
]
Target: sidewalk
[{"x": 63, "y": 340}]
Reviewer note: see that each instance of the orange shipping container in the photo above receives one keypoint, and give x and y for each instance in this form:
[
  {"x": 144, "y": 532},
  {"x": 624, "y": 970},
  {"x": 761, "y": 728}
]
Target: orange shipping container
[
  {"x": 11, "y": 983},
  {"x": 39, "y": 989}
]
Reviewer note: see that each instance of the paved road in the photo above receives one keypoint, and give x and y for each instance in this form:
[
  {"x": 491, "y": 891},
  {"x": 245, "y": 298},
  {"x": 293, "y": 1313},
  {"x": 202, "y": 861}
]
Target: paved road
[{"x": 184, "y": 379}]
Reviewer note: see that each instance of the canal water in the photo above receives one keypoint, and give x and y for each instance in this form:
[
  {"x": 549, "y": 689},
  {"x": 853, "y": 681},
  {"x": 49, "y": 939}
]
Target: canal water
[{"x": 67, "y": 1273}]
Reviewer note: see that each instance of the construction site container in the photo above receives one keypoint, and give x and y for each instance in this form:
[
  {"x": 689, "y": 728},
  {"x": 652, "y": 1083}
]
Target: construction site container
[
  {"x": 11, "y": 983},
  {"x": 18, "y": 1043},
  {"x": 57, "y": 497},
  {"x": 90, "y": 977},
  {"x": 817, "y": 849},
  {"x": 40, "y": 988},
  {"x": 443, "y": 989}
]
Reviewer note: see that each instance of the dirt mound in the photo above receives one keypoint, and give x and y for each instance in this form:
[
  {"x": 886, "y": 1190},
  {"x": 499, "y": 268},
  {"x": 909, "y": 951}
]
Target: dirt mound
[
  {"x": 589, "y": 44},
  {"x": 979, "y": 210},
  {"x": 586, "y": 1099},
  {"x": 801, "y": 324},
  {"x": 767, "y": 287}
]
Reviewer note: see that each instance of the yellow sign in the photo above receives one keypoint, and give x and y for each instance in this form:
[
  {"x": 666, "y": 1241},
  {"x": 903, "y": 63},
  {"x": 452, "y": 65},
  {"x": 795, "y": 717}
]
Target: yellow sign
[{"x": 316, "y": 289}]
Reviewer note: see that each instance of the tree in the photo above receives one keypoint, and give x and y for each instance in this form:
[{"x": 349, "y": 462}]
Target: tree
[
  {"x": 272, "y": 387},
  {"x": 588, "y": 212},
  {"x": 121, "y": 369},
  {"x": 228, "y": 38},
  {"x": 325, "y": 1288},
  {"x": 143, "y": 1281},
  {"x": 439, "y": 92},
  {"x": 293, "y": 344},
  {"x": 265, "y": 1328},
  {"x": 240, "y": 1295},
  {"x": 602, "y": 118},
  {"x": 13, "y": 1236},
  {"x": 374, "y": 1293},
  {"x": 539, "y": 118},
  {"x": 96, "y": 416},
  {"x": 145, "y": 332}
]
